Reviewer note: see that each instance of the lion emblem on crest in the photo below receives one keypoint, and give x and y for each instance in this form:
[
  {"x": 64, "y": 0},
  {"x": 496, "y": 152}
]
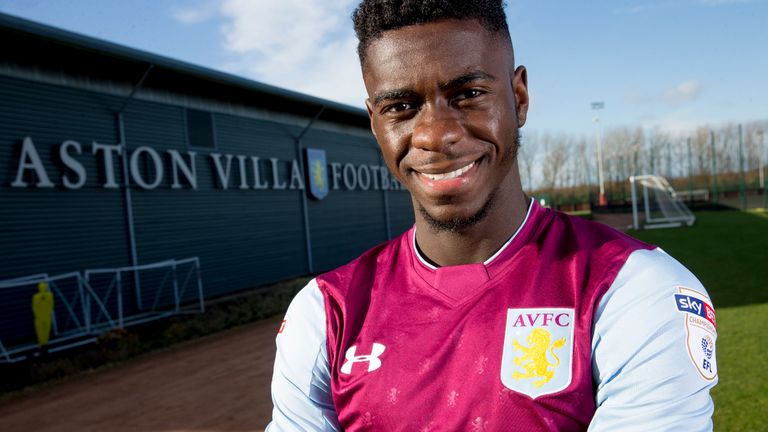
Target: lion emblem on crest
[{"x": 534, "y": 357}]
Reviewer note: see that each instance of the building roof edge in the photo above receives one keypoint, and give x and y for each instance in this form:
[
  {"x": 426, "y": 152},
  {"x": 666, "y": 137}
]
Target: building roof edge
[{"x": 214, "y": 76}]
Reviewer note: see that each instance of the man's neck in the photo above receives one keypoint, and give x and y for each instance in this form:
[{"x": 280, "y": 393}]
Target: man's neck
[{"x": 476, "y": 243}]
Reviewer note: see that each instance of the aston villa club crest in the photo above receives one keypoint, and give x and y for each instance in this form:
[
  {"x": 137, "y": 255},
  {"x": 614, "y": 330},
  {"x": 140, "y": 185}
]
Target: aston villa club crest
[
  {"x": 538, "y": 350},
  {"x": 317, "y": 173}
]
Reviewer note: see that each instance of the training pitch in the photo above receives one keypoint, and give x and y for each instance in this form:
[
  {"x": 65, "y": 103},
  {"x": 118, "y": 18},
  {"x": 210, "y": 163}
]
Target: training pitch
[{"x": 728, "y": 251}]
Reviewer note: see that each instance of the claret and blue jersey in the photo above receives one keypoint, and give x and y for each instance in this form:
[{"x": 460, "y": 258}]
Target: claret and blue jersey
[{"x": 569, "y": 326}]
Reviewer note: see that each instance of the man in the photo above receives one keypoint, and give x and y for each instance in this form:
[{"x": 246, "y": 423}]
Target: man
[{"x": 492, "y": 313}]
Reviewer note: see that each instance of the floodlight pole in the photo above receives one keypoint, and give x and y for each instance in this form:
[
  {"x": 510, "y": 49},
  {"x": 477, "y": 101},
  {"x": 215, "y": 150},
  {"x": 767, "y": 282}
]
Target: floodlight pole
[
  {"x": 714, "y": 165},
  {"x": 690, "y": 172},
  {"x": 742, "y": 181},
  {"x": 635, "y": 219},
  {"x": 597, "y": 106},
  {"x": 760, "y": 159}
]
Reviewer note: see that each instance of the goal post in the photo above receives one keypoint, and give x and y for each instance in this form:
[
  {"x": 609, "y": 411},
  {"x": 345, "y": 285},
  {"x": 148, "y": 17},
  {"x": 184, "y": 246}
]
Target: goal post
[{"x": 657, "y": 204}]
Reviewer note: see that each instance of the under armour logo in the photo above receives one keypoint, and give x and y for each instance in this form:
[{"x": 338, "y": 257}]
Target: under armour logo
[{"x": 372, "y": 359}]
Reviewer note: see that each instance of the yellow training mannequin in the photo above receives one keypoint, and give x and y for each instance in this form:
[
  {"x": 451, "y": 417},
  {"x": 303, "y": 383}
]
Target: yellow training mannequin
[{"x": 42, "y": 308}]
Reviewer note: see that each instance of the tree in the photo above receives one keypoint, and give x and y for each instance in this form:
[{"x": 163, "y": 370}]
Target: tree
[{"x": 526, "y": 156}]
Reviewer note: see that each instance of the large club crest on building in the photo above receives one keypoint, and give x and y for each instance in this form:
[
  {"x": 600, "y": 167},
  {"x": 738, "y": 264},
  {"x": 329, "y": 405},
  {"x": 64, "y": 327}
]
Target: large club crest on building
[
  {"x": 317, "y": 174},
  {"x": 538, "y": 350}
]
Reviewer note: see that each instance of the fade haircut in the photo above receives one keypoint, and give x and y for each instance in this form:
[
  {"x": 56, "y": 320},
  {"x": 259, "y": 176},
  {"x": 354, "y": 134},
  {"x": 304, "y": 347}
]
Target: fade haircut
[{"x": 374, "y": 17}]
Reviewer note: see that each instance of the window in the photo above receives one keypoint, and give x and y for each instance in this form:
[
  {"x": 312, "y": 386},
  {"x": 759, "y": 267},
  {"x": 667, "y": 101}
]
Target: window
[{"x": 200, "y": 129}]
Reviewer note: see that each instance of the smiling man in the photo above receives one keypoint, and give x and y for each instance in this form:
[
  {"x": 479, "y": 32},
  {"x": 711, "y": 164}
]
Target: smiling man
[{"x": 491, "y": 313}]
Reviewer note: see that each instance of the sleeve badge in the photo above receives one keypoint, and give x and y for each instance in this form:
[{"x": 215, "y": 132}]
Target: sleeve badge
[{"x": 700, "y": 330}]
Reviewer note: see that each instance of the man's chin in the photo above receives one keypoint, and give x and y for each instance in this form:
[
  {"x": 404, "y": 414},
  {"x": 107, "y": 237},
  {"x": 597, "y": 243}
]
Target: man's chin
[{"x": 455, "y": 222}]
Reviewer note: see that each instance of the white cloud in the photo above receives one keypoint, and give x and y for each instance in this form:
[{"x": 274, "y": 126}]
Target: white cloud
[
  {"x": 200, "y": 12},
  {"x": 303, "y": 45},
  {"x": 634, "y": 9},
  {"x": 683, "y": 93},
  {"x": 643, "y": 8}
]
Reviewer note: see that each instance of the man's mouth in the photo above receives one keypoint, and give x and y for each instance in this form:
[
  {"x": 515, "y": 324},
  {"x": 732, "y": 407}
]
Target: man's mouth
[{"x": 449, "y": 175}]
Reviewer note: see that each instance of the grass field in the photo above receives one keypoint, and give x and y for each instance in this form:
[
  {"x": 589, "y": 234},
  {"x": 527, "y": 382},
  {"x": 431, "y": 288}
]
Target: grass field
[{"x": 728, "y": 251}]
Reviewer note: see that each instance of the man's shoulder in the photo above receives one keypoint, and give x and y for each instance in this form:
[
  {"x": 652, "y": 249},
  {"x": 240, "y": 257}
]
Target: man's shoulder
[
  {"x": 583, "y": 234},
  {"x": 655, "y": 273}
]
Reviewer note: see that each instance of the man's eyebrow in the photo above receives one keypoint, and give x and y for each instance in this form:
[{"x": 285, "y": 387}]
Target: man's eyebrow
[
  {"x": 467, "y": 78},
  {"x": 393, "y": 94},
  {"x": 452, "y": 83}
]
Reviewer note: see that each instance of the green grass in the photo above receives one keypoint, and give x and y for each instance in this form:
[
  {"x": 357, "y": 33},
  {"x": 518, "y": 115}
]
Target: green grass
[
  {"x": 728, "y": 252},
  {"x": 586, "y": 214},
  {"x": 741, "y": 396}
]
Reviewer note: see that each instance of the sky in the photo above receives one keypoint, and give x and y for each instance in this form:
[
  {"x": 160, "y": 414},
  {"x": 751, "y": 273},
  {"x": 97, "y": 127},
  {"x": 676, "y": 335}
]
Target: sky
[{"x": 667, "y": 64}]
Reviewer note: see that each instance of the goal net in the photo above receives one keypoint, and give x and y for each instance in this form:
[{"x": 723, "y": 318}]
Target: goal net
[{"x": 656, "y": 205}]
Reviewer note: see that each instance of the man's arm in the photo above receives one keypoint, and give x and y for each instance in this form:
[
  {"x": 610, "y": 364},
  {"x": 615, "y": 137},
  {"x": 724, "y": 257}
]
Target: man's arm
[
  {"x": 301, "y": 391},
  {"x": 653, "y": 349}
]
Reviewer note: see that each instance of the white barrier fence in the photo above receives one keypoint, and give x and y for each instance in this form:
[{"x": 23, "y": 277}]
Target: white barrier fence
[{"x": 98, "y": 300}]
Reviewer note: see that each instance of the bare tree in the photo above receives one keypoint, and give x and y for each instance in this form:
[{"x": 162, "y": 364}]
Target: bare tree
[
  {"x": 526, "y": 156},
  {"x": 657, "y": 151},
  {"x": 701, "y": 148},
  {"x": 560, "y": 165},
  {"x": 555, "y": 154}
]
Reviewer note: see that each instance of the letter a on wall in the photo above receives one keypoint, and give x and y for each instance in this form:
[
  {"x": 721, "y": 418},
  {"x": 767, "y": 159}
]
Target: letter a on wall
[{"x": 317, "y": 173}]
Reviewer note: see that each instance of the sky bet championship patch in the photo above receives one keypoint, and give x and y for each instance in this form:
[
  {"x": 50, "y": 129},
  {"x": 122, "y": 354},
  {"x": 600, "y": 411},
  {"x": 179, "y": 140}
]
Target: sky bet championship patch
[
  {"x": 700, "y": 329},
  {"x": 538, "y": 350}
]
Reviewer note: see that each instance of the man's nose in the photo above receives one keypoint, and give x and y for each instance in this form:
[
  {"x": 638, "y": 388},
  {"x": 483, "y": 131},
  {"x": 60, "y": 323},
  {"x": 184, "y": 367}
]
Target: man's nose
[{"x": 436, "y": 128}]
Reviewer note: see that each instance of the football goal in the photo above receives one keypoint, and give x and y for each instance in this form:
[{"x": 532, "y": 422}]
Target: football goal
[{"x": 656, "y": 205}]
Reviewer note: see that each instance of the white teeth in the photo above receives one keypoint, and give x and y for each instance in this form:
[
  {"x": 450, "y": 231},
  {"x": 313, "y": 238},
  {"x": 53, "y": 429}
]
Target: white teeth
[{"x": 448, "y": 175}]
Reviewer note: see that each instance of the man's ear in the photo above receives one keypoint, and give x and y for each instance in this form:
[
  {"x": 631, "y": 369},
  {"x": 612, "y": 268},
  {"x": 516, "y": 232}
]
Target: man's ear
[
  {"x": 370, "y": 115},
  {"x": 520, "y": 88}
]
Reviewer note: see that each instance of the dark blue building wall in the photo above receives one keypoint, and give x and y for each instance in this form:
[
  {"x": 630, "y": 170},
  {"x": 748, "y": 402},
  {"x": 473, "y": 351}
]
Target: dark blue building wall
[
  {"x": 56, "y": 230},
  {"x": 53, "y": 230},
  {"x": 243, "y": 237},
  {"x": 345, "y": 215}
]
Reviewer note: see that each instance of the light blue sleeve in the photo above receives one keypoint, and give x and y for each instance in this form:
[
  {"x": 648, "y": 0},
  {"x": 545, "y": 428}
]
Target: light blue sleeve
[
  {"x": 653, "y": 366},
  {"x": 301, "y": 391}
]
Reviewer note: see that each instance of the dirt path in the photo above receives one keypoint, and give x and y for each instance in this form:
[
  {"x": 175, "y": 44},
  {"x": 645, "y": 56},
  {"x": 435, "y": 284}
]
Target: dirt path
[{"x": 220, "y": 383}]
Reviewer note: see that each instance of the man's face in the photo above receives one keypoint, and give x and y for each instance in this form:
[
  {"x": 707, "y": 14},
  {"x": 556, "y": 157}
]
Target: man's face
[{"x": 445, "y": 104}]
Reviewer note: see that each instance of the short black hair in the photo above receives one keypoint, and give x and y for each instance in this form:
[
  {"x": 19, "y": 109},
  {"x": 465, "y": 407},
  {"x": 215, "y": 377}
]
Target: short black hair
[{"x": 374, "y": 17}]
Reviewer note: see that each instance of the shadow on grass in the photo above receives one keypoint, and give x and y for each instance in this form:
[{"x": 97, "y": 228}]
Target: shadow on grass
[{"x": 726, "y": 250}]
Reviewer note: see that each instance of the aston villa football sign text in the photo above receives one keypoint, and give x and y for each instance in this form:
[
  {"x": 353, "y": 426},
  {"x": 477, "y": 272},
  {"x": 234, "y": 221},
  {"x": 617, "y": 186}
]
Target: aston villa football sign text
[{"x": 151, "y": 169}]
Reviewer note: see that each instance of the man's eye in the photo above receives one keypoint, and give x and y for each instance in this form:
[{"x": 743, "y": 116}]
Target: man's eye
[
  {"x": 469, "y": 94},
  {"x": 398, "y": 107}
]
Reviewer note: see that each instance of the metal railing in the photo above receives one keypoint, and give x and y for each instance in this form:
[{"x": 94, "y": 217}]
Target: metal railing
[{"x": 93, "y": 302}]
